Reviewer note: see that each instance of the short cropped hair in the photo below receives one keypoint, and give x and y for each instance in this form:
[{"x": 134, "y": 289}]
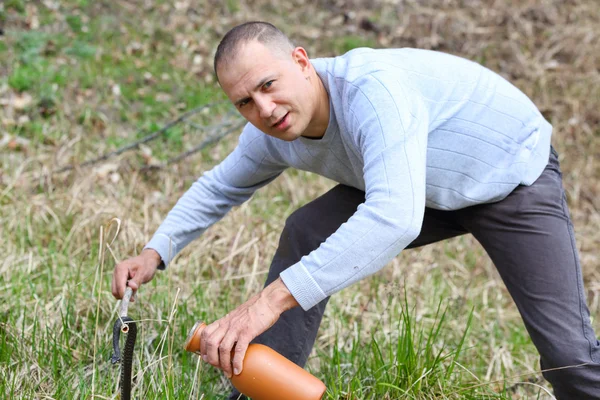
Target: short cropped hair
[{"x": 264, "y": 32}]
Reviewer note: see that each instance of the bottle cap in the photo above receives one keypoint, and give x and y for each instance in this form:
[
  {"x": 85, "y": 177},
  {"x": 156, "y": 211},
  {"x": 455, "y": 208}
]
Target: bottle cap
[{"x": 192, "y": 343}]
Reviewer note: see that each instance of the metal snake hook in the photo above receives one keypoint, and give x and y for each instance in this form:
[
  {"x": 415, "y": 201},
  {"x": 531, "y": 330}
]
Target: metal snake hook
[{"x": 124, "y": 324}]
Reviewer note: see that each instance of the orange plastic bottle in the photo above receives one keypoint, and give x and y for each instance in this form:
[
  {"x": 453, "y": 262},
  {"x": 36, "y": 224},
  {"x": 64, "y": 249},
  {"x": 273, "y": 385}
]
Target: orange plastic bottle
[{"x": 266, "y": 374}]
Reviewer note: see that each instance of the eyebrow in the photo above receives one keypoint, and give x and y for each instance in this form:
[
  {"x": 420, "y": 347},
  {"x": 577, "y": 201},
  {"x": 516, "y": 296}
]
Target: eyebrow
[{"x": 258, "y": 86}]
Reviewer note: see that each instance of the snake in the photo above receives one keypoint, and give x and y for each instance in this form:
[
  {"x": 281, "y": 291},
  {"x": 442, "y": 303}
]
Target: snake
[{"x": 126, "y": 325}]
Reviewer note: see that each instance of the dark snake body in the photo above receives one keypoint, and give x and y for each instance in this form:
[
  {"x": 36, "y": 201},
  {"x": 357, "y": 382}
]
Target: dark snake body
[{"x": 126, "y": 365}]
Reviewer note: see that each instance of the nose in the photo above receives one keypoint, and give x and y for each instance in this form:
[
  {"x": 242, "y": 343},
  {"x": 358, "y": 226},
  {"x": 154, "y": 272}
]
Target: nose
[{"x": 265, "y": 106}]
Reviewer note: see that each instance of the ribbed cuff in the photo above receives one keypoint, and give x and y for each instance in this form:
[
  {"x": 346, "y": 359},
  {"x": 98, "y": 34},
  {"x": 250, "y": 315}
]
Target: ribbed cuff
[
  {"x": 302, "y": 285},
  {"x": 164, "y": 246}
]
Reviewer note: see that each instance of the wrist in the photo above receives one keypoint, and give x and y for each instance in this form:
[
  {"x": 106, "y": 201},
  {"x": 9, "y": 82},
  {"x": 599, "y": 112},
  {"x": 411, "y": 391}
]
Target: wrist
[
  {"x": 279, "y": 296},
  {"x": 153, "y": 256}
]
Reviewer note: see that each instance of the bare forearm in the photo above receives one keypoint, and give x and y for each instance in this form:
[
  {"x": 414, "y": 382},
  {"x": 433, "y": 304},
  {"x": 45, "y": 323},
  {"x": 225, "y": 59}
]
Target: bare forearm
[{"x": 279, "y": 297}]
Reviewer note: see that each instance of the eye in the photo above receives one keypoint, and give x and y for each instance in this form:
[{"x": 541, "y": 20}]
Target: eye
[
  {"x": 243, "y": 102},
  {"x": 268, "y": 84}
]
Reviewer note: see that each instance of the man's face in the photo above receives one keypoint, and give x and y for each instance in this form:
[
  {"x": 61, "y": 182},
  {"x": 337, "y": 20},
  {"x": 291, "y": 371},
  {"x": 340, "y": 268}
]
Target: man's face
[{"x": 270, "y": 90}]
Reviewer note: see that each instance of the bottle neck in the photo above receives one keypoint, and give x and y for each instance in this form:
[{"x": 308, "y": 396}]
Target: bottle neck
[{"x": 192, "y": 343}]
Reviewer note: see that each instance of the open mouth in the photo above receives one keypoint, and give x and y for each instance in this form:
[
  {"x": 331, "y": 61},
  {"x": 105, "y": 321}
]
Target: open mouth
[{"x": 280, "y": 122}]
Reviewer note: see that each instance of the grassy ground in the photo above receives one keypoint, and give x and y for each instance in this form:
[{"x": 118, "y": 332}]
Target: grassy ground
[{"x": 81, "y": 78}]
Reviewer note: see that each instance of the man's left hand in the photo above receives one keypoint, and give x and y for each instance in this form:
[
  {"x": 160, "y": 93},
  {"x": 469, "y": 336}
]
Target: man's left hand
[{"x": 235, "y": 330}]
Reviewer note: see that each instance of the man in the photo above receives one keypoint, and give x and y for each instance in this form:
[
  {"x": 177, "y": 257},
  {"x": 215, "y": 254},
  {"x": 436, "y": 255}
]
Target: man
[{"x": 425, "y": 146}]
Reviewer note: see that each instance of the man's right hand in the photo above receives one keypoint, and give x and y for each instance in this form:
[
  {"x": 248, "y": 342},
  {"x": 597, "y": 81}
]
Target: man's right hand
[{"x": 135, "y": 271}]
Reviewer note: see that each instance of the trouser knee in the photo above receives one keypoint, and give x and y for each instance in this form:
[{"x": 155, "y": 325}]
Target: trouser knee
[
  {"x": 297, "y": 239},
  {"x": 303, "y": 231},
  {"x": 310, "y": 225}
]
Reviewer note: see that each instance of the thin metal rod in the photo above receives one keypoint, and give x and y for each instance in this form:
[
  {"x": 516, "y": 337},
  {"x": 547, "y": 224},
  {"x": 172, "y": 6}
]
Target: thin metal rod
[
  {"x": 145, "y": 139},
  {"x": 125, "y": 302}
]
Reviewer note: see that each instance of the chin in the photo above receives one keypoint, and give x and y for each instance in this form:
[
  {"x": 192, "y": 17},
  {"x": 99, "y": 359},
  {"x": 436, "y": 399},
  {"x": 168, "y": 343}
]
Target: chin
[
  {"x": 287, "y": 136},
  {"x": 290, "y": 136}
]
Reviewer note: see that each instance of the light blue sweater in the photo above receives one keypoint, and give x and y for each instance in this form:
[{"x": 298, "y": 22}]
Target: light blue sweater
[{"x": 412, "y": 128}]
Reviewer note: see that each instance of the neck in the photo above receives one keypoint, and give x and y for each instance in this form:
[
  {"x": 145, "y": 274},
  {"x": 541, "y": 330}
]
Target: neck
[{"x": 320, "y": 120}]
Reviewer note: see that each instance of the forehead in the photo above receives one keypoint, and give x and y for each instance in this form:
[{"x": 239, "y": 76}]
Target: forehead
[{"x": 251, "y": 62}]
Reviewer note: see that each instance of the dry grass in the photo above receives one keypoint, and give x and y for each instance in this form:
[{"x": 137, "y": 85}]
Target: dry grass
[{"x": 49, "y": 298}]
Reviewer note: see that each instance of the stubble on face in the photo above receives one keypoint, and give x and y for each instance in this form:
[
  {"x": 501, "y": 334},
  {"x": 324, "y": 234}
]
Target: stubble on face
[{"x": 272, "y": 90}]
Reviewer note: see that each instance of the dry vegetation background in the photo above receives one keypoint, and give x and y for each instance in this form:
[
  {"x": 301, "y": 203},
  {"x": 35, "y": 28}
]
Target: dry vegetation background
[{"x": 79, "y": 79}]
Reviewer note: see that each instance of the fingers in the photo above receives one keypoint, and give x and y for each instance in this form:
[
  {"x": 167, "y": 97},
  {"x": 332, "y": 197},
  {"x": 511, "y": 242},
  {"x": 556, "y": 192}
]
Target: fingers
[
  {"x": 216, "y": 346},
  {"x": 210, "y": 339},
  {"x": 133, "y": 284},
  {"x": 239, "y": 355},
  {"x": 234, "y": 332},
  {"x": 133, "y": 273},
  {"x": 225, "y": 348},
  {"x": 120, "y": 276}
]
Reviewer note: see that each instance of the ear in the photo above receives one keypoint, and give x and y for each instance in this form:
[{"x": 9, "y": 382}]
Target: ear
[{"x": 300, "y": 57}]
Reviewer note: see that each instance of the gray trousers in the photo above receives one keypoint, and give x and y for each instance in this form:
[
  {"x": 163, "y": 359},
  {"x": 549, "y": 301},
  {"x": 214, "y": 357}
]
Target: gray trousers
[{"x": 529, "y": 237}]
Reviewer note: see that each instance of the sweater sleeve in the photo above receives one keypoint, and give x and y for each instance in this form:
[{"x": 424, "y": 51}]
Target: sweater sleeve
[
  {"x": 389, "y": 129},
  {"x": 233, "y": 181}
]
